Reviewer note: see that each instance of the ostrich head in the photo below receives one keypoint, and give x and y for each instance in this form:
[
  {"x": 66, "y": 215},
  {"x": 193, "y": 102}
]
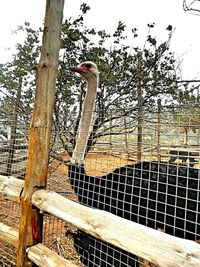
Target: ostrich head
[{"x": 87, "y": 69}]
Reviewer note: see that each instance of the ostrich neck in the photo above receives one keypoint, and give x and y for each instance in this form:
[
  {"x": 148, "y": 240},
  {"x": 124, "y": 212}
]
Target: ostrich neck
[{"x": 85, "y": 125}]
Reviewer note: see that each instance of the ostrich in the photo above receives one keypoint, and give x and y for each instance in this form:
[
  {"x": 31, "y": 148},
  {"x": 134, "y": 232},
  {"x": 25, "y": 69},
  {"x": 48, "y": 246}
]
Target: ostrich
[{"x": 161, "y": 195}]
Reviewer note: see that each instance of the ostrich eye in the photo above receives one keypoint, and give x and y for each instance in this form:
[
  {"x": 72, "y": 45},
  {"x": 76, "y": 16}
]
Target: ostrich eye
[{"x": 87, "y": 65}]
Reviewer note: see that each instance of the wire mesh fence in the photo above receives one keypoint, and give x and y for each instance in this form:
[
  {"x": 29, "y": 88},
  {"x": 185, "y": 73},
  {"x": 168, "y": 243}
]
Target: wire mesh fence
[
  {"x": 13, "y": 146},
  {"x": 146, "y": 171},
  {"x": 142, "y": 167},
  {"x": 9, "y": 215}
]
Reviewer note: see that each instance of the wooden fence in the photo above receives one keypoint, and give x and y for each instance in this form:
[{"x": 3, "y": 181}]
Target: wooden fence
[{"x": 149, "y": 244}]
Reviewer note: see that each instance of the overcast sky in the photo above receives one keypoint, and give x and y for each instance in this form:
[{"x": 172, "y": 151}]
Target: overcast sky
[{"x": 105, "y": 14}]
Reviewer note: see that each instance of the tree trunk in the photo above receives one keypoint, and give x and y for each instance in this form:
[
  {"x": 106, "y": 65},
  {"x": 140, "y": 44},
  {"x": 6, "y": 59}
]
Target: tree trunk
[
  {"x": 186, "y": 139},
  {"x": 110, "y": 136},
  {"x": 126, "y": 136},
  {"x": 31, "y": 220},
  {"x": 140, "y": 110},
  {"x": 139, "y": 132}
]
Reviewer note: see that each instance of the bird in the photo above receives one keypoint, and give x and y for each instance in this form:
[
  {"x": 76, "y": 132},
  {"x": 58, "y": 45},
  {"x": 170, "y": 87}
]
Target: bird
[
  {"x": 89, "y": 71},
  {"x": 160, "y": 195}
]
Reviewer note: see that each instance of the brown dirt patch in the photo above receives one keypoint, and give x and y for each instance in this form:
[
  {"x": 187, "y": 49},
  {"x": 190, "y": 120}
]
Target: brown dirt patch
[{"x": 101, "y": 164}]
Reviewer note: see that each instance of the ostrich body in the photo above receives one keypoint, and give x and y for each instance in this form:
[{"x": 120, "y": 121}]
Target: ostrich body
[{"x": 90, "y": 72}]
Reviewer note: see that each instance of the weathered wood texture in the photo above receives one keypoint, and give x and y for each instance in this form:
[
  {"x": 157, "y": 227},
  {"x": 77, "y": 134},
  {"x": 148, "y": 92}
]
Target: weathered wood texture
[
  {"x": 43, "y": 256},
  {"x": 9, "y": 235},
  {"x": 11, "y": 187},
  {"x": 149, "y": 244},
  {"x": 30, "y": 230},
  {"x": 39, "y": 254},
  {"x": 137, "y": 239}
]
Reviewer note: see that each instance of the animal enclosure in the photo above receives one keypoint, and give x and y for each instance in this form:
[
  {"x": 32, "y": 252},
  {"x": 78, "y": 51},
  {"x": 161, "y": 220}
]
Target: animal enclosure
[{"x": 155, "y": 182}]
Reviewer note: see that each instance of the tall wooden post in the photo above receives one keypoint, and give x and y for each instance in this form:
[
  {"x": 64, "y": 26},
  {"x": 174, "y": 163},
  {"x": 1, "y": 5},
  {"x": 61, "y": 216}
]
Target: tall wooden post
[{"x": 30, "y": 229}]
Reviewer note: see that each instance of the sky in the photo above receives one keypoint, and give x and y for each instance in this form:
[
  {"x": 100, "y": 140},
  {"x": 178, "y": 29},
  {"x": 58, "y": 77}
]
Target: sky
[{"x": 105, "y": 14}]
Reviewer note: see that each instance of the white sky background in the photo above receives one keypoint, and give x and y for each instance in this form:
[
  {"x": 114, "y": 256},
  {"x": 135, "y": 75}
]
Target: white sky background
[{"x": 105, "y": 14}]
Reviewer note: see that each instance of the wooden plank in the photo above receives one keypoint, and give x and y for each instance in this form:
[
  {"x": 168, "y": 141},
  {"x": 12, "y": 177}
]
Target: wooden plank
[
  {"x": 9, "y": 235},
  {"x": 50, "y": 202},
  {"x": 43, "y": 256},
  {"x": 39, "y": 254},
  {"x": 11, "y": 187},
  {"x": 152, "y": 245},
  {"x": 3, "y": 179},
  {"x": 30, "y": 229}
]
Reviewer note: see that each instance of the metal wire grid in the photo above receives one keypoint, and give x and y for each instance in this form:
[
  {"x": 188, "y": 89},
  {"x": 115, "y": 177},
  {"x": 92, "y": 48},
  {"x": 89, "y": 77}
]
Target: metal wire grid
[
  {"x": 96, "y": 253},
  {"x": 157, "y": 192},
  {"x": 166, "y": 200},
  {"x": 13, "y": 146},
  {"x": 9, "y": 215},
  {"x": 7, "y": 255},
  {"x": 117, "y": 137},
  {"x": 171, "y": 136},
  {"x": 59, "y": 236},
  {"x": 161, "y": 189}
]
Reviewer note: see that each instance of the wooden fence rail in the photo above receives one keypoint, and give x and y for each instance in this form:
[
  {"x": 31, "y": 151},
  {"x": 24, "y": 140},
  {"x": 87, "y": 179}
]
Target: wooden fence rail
[
  {"x": 39, "y": 254},
  {"x": 43, "y": 256},
  {"x": 9, "y": 235},
  {"x": 144, "y": 242},
  {"x": 11, "y": 187}
]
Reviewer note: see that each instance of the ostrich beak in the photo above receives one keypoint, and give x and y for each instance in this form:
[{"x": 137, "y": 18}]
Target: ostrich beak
[{"x": 78, "y": 69}]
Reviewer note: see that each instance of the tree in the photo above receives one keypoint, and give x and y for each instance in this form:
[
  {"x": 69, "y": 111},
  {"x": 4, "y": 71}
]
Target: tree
[
  {"x": 20, "y": 72},
  {"x": 119, "y": 76},
  {"x": 124, "y": 71},
  {"x": 191, "y": 6},
  {"x": 16, "y": 85},
  {"x": 186, "y": 112}
]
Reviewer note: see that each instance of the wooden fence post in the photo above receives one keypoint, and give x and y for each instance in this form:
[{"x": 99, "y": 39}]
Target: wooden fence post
[{"x": 30, "y": 229}]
